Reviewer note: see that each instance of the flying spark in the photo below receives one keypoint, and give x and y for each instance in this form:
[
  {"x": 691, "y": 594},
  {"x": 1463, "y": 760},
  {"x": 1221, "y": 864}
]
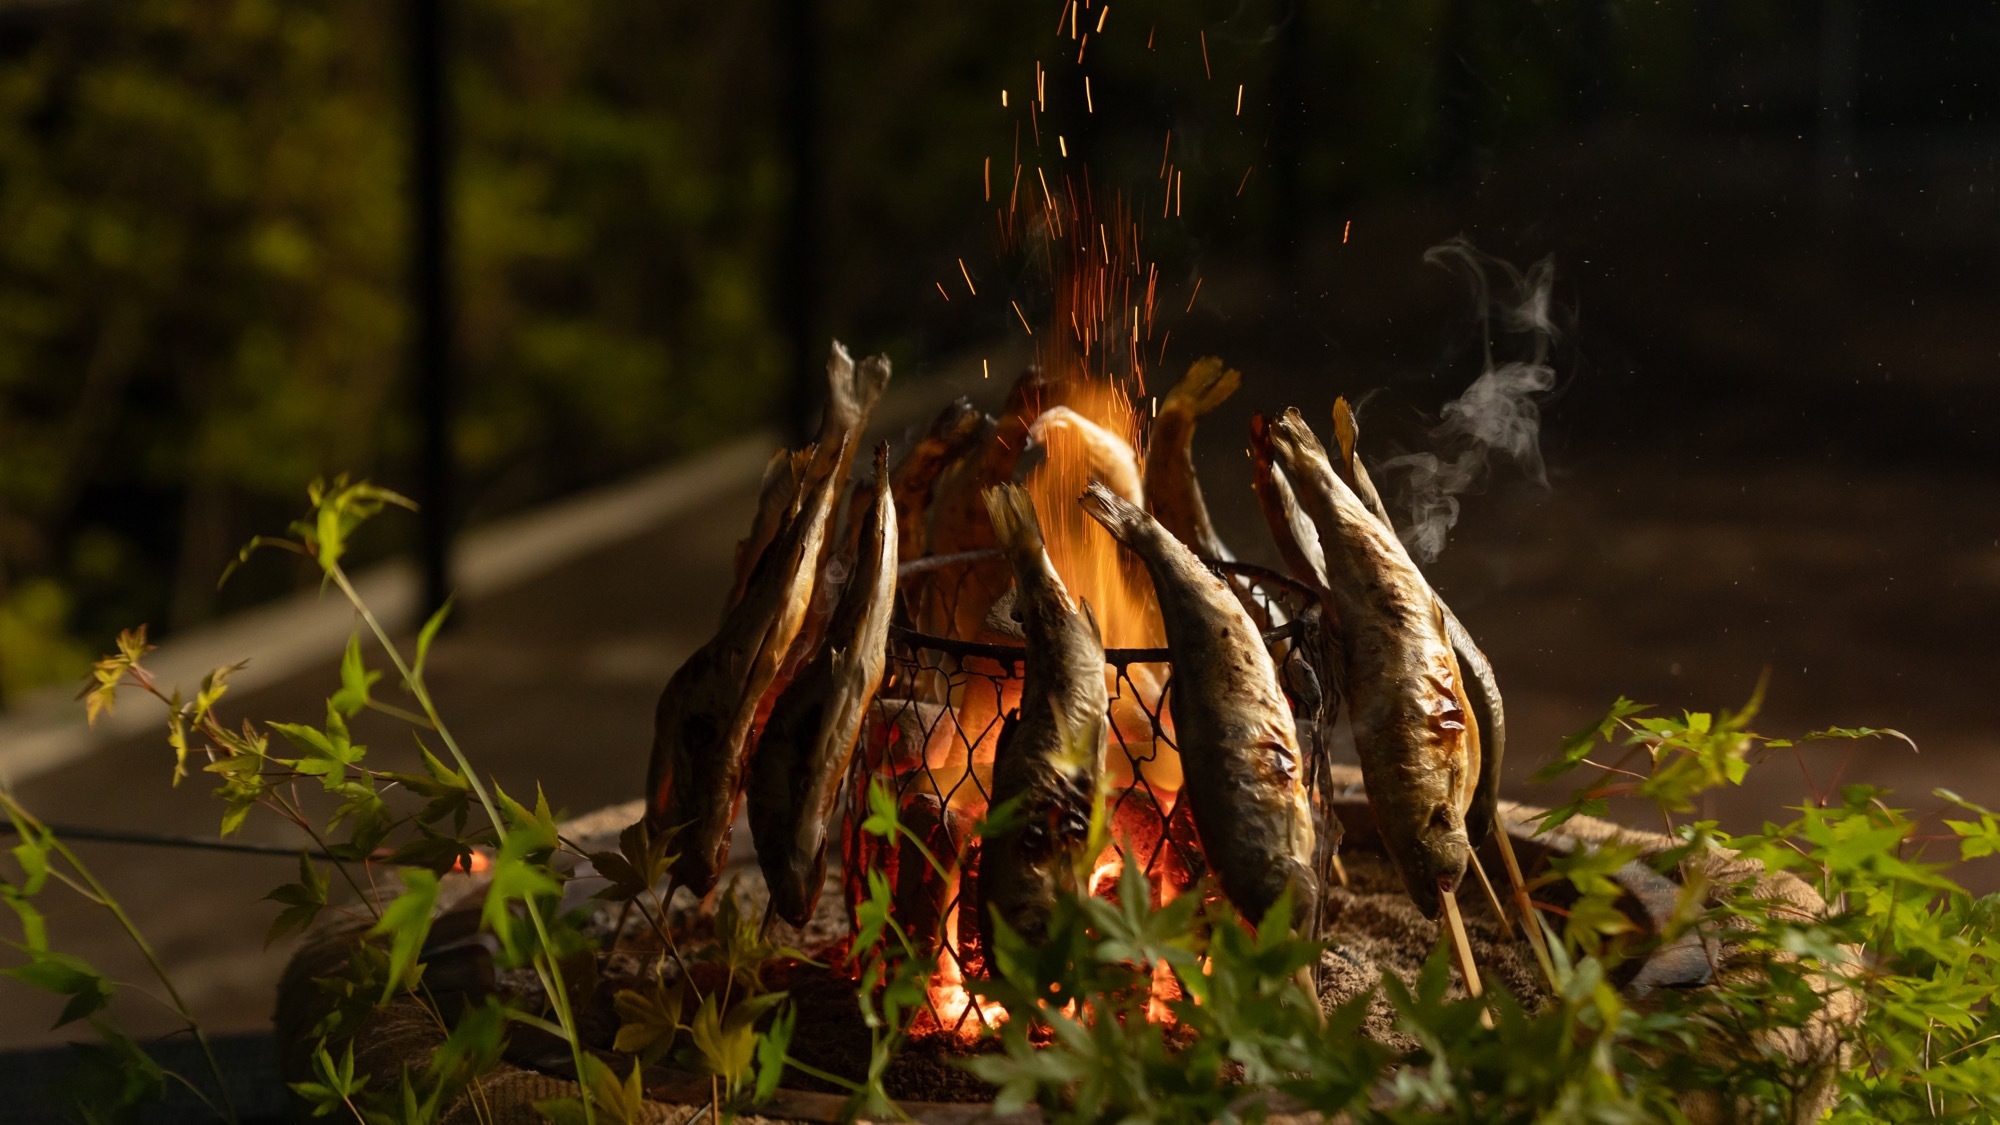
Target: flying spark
[
  {"x": 1196, "y": 293},
  {"x": 1206, "y": 72},
  {"x": 1345, "y": 231},
  {"x": 988, "y": 177},
  {"x": 941, "y": 291},
  {"x": 1239, "y": 99},
  {"x": 1023, "y": 316},
  {"x": 968, "y": 276},
  {"x": 1100, "y": 18},
  {"x": 1089, "y": 105}
]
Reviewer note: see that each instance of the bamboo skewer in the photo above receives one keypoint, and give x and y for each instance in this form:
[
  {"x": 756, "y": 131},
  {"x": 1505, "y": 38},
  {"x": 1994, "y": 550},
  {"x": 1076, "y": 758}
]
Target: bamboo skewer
[
  {"x": 1492, "y": 897},
  {"x": 1531, "y": 922},
  {"x": 1461, "y": 944}
]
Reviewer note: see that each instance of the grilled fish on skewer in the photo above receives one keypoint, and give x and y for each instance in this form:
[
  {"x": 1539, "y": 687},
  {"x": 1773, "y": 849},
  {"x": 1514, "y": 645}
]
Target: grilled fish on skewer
[
  {"x": 1051, "y": 753},
  {"x": 1239, "y": 749},
  {"x": 1173, "y": 492},
  {"x": 701, "y": 727},
  {"x": 1406, "y": 698},
  {"x": 1482, "y": 689},
  {"x": 808, "y": 742}
]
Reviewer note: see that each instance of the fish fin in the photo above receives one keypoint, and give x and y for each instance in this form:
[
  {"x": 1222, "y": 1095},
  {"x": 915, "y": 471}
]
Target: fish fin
[
  {"x": 1004, "y": 616},
  {"x": 1013, "y": 513},
  {"x": 1203, "y": 388},
  {"x": 1081, "y": 747}
]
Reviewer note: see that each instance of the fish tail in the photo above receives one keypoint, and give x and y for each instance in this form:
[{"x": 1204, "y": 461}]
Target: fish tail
[
  {"x": 1291, "y": 427},
  {"x": 1260, "y": 437},
  {"x": 1203, "y": 388},
  {"x": 1343, "y": 431},
  {"x": 1122, "y": 519},
  {"x": 1013, "y": 515}
]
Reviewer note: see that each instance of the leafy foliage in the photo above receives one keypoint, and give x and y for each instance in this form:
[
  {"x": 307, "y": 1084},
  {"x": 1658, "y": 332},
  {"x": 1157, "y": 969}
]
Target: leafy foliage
[{"x": 1882, "y": 999}]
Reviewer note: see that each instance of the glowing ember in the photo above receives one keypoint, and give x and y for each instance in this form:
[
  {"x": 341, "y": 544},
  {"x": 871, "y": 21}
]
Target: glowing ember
[{"x": 950, "y": 1002}]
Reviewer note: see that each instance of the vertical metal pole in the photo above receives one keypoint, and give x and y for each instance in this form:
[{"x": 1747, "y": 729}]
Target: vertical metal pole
[
  {"x": 798, "y": 265},
  {"x": 430, "y": 279}
]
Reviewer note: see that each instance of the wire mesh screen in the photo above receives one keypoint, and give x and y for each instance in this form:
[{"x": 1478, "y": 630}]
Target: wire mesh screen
[{"x": 931, "y": 736}]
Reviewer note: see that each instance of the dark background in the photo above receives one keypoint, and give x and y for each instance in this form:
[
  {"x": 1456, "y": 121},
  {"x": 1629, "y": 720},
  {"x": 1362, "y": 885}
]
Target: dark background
[
  {"x": 1773, "y": 223},
  {"x": 1774, "y": 227}
]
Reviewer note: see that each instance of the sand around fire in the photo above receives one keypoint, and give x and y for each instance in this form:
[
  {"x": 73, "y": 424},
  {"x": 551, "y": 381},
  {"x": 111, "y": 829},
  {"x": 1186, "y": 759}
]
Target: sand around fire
[{"x": 1375, "y": 930}]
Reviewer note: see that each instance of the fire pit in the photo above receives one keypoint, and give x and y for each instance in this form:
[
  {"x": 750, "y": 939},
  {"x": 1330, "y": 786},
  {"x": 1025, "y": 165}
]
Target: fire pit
[{"x": 932, "y": 735}]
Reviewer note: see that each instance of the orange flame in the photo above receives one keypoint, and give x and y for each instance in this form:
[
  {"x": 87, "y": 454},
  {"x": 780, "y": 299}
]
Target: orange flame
[{"x": 1088, "y": 354}]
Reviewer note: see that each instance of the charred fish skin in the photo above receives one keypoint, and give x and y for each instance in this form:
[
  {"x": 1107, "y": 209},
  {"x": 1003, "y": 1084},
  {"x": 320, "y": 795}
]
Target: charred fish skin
[
  {"x": 1238, "y": 743},
  {"x": 1173, "y": 491},
  {"x": 955, "y": 431},
  {"x": 701, "y": 726},
  {"x": 1050, "y": 757},
  {"x": 808, "y": 742},
  {"x": 1419, "y": 753},
  {"x": 1482, "y": 688}
]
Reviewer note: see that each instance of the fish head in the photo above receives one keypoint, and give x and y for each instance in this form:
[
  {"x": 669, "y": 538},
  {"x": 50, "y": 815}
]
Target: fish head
[
  {"x": 1432, "y": 859},
  {"x": 1046, "y": 839}
]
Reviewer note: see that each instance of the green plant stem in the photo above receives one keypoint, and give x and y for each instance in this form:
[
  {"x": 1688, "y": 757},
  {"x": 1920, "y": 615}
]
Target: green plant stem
[
  {"x": 104, "y": 898},
  {"x": 558, "y": 994},
  {"x": 847, "y": 1084}
]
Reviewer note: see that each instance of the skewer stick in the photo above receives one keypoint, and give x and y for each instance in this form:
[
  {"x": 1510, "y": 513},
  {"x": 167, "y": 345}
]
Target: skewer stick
[
  {"x": 1492, "y": 898},
  {"x": 1462, "y": 945},
  {"x": 1531, "y": 922},
  {"x": 1340, "y": 871}
]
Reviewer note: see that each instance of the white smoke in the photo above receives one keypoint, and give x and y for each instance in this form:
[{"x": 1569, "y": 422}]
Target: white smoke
[{"x": 1498, "y": 413}]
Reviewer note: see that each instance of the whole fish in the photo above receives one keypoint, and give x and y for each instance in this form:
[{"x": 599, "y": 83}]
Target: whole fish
[
  {"x": 1050, "y": 759},
  {"x": 1173, "y": 492},
  {"x": 1418, "y": 748},
  {"x": 701, "y": 727},
  {"x": 1239, "y": 748},
  {"x": 1482, "y": 689},
  {"x": 808, "y": 742}
]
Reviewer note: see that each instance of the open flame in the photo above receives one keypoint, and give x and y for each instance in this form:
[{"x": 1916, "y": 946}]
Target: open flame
[{"x": 1073, "y": 421}]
